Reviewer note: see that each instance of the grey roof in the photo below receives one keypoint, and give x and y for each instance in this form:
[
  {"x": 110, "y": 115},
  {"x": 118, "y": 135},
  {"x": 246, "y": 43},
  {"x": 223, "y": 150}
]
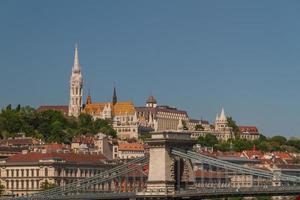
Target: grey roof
[{"x": 151, "y": 99}]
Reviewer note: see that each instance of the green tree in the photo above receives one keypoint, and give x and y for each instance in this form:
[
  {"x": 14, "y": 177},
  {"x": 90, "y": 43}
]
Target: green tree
[
  {"x": 241, "y": 145},
  {"x": 46, "y": 185},
  {"x": 2, "y": 189},
  {"x": 223, "y": 146},
  {"x": 280, "y": 140},
  {"x": 199, "y": 127},
  {"x": 294, "y": 142},
  {"x": 208, "y": 140},
  {"x": 235, "y": 128}
]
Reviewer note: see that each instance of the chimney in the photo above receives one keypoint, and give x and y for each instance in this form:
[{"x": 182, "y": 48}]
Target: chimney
[{"x": 25, "y": 151}]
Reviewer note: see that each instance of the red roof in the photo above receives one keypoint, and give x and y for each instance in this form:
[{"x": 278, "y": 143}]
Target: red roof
[
  {"x": 84, "y": 139},
  {"x": 55, "y": 147},
  {"x": 253, "y": 154},
  {"x": 282, "y": 155},
  {"x": 22, "y": 141},
  {"x": 248, "y": 129},
  {"x": 68, "y": 157}
]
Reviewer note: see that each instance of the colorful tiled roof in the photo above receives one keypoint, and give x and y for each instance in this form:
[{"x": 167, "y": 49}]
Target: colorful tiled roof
[
  {"x": 120, "y": 108},
  {"x": 131, "y": 147}
]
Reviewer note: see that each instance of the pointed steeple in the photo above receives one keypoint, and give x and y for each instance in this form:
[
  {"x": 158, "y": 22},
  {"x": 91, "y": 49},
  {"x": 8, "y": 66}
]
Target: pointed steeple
[
  {"x": 114, "y": 97},
  {"x": 76, "y": 66},
  {"x": 217, "y": 117},
  {"x": 222, "y": 115}
]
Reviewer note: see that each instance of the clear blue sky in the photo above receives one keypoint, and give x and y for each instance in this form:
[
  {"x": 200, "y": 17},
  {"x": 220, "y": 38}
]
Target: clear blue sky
[{"x": 196, "y": 55}]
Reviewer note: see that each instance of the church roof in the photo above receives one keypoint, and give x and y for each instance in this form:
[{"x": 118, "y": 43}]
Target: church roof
[{"x": 119, "y": 108}]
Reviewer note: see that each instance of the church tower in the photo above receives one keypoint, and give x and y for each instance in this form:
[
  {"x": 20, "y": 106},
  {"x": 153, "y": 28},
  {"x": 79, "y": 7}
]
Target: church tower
[{"x": 76, "y": 87}]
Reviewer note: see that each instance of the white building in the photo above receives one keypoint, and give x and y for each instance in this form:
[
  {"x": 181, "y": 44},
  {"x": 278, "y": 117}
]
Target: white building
[{"x": 76, "y": 87}]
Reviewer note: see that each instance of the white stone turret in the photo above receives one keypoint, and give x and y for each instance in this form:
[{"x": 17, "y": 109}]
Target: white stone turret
[
  {"x": 217, "y": 117},
  {"x": 180, "y": 126},
  {"x": 150, "y": 119},
  {"x": 135, "y": 118},
  {"x": 76, "y": 87},
  {"x": 106, "y": 113},
  {"x": 223, "y": 116},
  {"x": 221, "y": 121}
]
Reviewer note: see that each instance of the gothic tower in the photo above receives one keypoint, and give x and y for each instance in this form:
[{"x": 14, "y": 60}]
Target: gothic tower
[{"x": 76, "y": 87}]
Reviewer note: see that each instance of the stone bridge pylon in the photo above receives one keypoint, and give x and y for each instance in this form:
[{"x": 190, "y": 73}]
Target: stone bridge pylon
[{"x": 169, "y": 173}]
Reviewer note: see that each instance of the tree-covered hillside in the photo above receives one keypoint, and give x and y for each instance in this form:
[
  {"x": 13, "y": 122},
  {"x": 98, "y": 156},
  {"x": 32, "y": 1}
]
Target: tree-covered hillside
[{"x": 50, "y": 126}]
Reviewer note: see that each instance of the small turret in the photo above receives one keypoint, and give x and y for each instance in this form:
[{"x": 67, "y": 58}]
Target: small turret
[
  {"x": 114, "y": 97},
  {"x": 151, "y": 102},
  {"x": 89, "y": 99}
]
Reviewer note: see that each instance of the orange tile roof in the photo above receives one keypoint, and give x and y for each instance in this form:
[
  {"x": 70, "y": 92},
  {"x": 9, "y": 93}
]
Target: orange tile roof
[
  {"x": 120, "y": 108},
  {"x": 131, "y": 147}
]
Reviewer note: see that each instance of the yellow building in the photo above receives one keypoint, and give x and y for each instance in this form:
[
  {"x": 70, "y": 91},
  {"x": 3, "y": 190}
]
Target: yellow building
[{"x": 122, "y": 114}]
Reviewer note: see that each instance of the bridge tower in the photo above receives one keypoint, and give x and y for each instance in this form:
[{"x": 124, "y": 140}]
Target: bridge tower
[{"x": 169, "y": 173}]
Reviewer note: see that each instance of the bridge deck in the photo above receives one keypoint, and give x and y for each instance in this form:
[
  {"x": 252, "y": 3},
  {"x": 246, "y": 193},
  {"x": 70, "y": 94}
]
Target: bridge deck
[{"x": 192, "y": 194}]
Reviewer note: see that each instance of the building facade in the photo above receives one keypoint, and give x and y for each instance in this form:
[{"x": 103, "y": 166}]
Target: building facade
[
  {"x": 25, "y": 173},
  {"x": 249, "y": 132},
  {"x": 160, "y": 118}
]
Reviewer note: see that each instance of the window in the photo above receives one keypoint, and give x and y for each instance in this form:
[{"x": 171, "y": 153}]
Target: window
[{"x": 46, "y": 171}]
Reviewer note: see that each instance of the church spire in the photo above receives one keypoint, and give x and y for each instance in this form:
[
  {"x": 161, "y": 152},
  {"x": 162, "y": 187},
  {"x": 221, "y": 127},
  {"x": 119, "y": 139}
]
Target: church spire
[
  {"x": 76, "y": 66},
  {"x": 114, "y": 97},
  {"x": 76, "y": 87}
]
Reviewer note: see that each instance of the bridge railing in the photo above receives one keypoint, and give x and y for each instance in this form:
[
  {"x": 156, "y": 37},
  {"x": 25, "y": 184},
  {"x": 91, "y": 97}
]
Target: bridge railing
[
  {"x": 93, "y": 184},
  {"x": 234, "y": 172}
]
